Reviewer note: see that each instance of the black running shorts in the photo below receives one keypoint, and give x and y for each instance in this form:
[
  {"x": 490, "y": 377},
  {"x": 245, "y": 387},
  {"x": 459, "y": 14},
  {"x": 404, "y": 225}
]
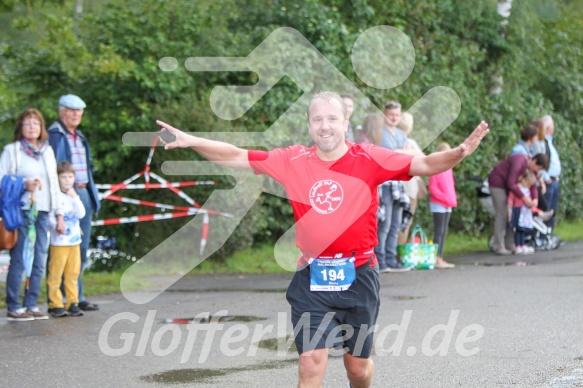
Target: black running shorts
[{"x": 336, "y": 319}]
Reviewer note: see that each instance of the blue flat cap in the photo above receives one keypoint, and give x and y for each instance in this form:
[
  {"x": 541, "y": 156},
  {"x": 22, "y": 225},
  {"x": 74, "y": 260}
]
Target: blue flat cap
[{"x": 72, "y": 101}]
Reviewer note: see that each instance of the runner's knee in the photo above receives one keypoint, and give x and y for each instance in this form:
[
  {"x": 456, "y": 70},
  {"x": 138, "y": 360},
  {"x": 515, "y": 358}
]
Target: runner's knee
[
  {"x": 358, "y": 368},
  {"x": 313, "y": 363}
]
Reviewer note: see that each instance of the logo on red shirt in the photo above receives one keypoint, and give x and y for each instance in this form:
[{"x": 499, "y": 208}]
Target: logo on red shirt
[{"x": 326, "y": 196}]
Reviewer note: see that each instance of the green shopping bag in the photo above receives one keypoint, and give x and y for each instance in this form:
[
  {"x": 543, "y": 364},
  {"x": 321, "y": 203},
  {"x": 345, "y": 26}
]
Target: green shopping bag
[{"x": 420, "y": 255}]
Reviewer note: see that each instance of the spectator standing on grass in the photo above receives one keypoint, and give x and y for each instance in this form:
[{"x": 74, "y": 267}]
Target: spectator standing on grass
[
  {"x": 72, "y": 146},
  {"x": 442, "y": 200},
  {"x": 528, "y": 136},
  {"x": 391, "y": 193},
  {"x": 503, "y": 179},
  {"x": 65, "y": 252},
  {"x": 520, "y": 215},
  {"x": 31, "y": 157},
  {"x": 552, "y": 175},
  {"x": 416, "y": 186},
  {"x": 539, "y": 146}
]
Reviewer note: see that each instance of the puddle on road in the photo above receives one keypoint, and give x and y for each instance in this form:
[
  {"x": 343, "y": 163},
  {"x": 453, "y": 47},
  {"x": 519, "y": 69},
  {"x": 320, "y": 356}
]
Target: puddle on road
[
  {"x": 575, "y": 379},
  {"x": 225, "y": 318},
  {"x": 406, "y": 297},
  {"x": 276, "y": 344},
  {"x": 240, "y": 318},
  {"x": 186, "y": 376},
  {"x": 263, "y": 290},
  {"x": 505, "y": 264}
]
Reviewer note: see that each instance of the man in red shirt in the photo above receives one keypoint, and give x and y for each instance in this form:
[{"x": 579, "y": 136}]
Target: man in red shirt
[{"x": 332, "y": 187}]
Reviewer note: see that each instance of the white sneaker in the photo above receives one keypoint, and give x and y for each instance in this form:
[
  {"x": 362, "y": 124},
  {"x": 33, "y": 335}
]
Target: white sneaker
[
  {"x": 520, "y": 251},
  {"x": 528, "y": 250},
  {"x": 36, "y": 313}
]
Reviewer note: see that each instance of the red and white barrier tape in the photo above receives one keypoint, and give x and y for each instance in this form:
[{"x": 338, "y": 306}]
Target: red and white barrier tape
[
  {"x": 180, "y": 193},
  {"x": 162, "y": 183},
  {"x": 149, "y": 204},
  {"x": 149, "y": 160},
  {"x": 119, "y": 186},
  {"x": 147, "y": 217},
  {"x": 205, "y": 232},
  {"x": 136, "y": 186},
  {"x": 164, "y": 206}
]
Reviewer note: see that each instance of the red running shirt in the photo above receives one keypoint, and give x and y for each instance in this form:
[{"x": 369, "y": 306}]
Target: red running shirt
[{"x": 334, "y": 203}]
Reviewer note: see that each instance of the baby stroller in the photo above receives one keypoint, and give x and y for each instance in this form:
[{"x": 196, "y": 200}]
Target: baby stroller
[{"x": 541, "y": 237}]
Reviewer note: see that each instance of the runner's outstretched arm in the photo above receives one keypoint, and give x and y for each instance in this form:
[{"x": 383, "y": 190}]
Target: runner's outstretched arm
[
  {"x": 441, "y": 161},
  {"x": 219, "y": 152}
]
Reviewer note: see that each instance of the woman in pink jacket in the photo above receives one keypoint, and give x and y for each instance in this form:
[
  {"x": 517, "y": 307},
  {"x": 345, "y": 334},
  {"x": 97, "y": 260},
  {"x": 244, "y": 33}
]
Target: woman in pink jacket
[{"x": 443, "y": 199}]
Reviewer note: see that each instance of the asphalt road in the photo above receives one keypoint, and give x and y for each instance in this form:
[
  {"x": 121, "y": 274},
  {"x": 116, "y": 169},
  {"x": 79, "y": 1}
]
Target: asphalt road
[{"x": 490, "y": 322}]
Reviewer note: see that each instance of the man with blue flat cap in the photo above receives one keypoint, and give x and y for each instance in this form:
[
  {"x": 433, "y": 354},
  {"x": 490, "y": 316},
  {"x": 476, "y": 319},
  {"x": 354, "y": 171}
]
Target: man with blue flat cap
[{"x": 71, "y": 145}]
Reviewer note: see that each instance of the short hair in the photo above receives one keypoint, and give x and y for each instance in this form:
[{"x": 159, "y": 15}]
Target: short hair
[
  {"x": 528, "y": 132},
  {"x": 529, "y": 177},
  {"x": 347, "y": 95},
  {"x": 547, "y": 121},
  {"x": 392, "y": 104},
  {"x": 31, "y": 112},
  {"x": 442, "y": 147},
  {"x": 65, "y": 166},
  {"x": 406, "y": 123},
  {"x": 328, "y": 96},
  {"x": 541, "y": 160}
]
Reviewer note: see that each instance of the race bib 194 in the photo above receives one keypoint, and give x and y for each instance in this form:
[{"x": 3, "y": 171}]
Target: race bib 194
[{"x": 332, "y": 275}]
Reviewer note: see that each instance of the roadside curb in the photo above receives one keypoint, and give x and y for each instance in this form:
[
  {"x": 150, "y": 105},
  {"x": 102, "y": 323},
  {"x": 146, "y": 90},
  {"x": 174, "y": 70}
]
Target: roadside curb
[{"x": 571, "y": 250}]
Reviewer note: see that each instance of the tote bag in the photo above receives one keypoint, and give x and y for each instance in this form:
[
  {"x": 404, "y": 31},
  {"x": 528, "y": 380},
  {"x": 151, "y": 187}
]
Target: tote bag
[{"x": 418, "y": 253}]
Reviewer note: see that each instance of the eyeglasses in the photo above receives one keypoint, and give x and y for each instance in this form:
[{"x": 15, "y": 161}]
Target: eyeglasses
[
  {"x": 74, "y": 110},
  {"x": 31, "y": 124},
  {"x": 392, "y": 105}
]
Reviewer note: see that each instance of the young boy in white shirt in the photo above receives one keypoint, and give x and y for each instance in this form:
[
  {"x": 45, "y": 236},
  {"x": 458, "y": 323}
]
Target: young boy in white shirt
[{"x": 65, "y": 252}]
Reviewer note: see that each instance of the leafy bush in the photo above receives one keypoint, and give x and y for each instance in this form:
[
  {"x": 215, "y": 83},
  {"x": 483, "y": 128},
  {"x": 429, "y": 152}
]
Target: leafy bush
[{"x": 109, "y": 55}]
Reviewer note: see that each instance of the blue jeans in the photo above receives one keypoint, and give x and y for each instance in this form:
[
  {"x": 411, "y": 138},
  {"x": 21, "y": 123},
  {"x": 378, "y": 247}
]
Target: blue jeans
[
  {"x": 388, "y": 230},
  {"x": 85, "y": 224},
  {"x": 14, "y": 276},
  {"x": 552, "y": 198}
]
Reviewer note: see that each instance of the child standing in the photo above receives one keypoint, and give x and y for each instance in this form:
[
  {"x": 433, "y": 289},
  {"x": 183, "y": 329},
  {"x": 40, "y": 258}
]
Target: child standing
[
  {"x": 443, "y": 199},
  {"x": 520, "y": 215},
  {"x": 65, "y": 260}
]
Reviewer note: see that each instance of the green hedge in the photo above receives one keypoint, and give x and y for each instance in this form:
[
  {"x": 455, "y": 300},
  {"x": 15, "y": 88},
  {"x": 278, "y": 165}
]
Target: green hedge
[{"x": 109, "y": 55}]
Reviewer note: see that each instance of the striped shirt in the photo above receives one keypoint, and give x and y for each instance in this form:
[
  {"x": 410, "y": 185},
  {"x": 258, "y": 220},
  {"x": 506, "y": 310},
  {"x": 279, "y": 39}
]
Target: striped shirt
[{"x": 78, "y": 158}]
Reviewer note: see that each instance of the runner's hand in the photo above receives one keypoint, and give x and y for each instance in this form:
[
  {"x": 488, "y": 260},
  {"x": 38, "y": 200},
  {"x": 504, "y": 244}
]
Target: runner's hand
[
  {"x": 182, "y": 139},
  {"x": 473, "y": 141}
]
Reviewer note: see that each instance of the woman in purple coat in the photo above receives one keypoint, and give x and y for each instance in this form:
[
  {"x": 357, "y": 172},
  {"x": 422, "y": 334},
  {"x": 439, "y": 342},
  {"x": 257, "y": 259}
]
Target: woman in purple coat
[{"x": 502, "y": 180}]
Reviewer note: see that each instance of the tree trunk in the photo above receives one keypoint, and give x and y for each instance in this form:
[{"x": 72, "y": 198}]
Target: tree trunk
[{"x": 497, "y": 79}]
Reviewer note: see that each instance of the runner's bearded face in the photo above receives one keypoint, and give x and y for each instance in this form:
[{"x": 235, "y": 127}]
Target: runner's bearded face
[{"x": 327, "y": 124}]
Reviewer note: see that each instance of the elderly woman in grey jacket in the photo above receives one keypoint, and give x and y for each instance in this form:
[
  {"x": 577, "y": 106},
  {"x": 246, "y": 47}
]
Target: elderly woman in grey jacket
[{"x": 31, "y": 157}]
